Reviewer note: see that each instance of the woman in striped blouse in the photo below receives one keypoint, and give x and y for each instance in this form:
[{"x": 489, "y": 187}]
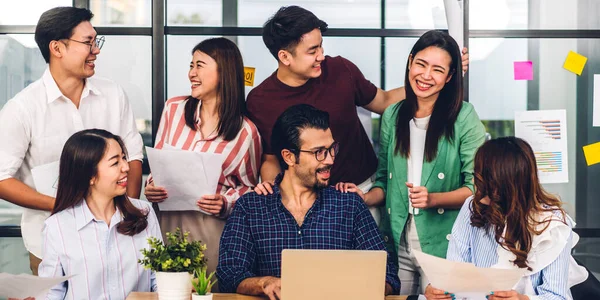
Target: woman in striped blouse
[
  {"x": 95, "y": 232},
  {"x": 211, "y": 120},
  {"x": 511, "y": 222}
]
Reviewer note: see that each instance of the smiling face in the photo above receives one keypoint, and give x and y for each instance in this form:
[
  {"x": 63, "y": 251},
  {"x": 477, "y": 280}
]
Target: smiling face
[
  {"x": 305, "y": 60},
  {"x": 429, "y": 72},
  {"x": 203, "y": 76},
  {"x": 78, "y": 61},
  {"x": 111, "y": 178},
  {"x": 312, "y": 173}
]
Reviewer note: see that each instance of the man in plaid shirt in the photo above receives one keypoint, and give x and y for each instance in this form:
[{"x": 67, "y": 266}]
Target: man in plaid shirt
[{"x": 303, "y": 212}]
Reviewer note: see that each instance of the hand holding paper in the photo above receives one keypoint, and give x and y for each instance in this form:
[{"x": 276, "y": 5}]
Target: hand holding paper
[
  {"x": 211, "y": 203},
  {"x": 459, "y": 277},
  {"x": 25, "y": 285},
  {"x": 186, "y": 175}
]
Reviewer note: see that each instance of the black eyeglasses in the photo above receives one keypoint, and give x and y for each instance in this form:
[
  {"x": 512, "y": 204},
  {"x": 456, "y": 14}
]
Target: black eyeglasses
[
  {"x": 98, "y": 42},
  {"x": 321, "y": 154}
]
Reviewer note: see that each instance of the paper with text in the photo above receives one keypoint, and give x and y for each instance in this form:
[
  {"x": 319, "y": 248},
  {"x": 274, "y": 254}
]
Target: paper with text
[
  {"x": 186, "y": 175},
  {"x": 249, "y": 76}
]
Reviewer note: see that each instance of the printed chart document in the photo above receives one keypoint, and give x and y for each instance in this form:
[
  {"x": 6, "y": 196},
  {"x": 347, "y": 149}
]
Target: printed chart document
[
  {"x": 546, "y": 132},
  {"x": 45, "y": 178},
  {"x": 25, "y": 285},
  {"x": 186, "y": 175},
  {"x": 466, "y": 280}
]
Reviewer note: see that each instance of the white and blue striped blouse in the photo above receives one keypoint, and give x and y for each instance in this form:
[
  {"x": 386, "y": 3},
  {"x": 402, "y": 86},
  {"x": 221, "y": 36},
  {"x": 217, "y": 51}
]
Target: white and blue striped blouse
[
  {"x": 550, "y": 255},
  {"x": 103, "y": 261}
]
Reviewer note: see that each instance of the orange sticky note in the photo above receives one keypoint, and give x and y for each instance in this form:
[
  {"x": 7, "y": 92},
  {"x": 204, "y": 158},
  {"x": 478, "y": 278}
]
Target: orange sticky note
[
  {"x": 575, "y": 62},
  {"x": 592, "y": 153},
  {"x": 249, "y": 76}
]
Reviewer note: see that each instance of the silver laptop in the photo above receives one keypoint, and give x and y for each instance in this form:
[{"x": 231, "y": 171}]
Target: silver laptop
[{"x": 333, "y": 274}]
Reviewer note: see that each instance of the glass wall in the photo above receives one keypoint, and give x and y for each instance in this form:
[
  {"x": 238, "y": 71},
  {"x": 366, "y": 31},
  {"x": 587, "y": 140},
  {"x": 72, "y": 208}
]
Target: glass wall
[
  {"x": 500, "y": 32},
  {"x": 125, "y": 59}
]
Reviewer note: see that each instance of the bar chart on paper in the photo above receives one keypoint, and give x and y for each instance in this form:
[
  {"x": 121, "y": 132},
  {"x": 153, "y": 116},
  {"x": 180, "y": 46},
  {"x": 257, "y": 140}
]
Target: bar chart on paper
[{"x": 545, "y": 131}]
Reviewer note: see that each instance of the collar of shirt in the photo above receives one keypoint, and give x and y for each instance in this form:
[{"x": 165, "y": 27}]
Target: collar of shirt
[
  {"x": 53, "y": 92},
  {"x": 84, "y": 216},
  {"x": 276, "y": 203}
]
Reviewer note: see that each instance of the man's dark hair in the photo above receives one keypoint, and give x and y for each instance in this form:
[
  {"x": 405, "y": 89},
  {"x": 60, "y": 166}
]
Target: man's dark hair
[
  {"x": 287, "y": 128},
  {"x": 285, "y": 28},
  {"x": 57, "y": 24}
]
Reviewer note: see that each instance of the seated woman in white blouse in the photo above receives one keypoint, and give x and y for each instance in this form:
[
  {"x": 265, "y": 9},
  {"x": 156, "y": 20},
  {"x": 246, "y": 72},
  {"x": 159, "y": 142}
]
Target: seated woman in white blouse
[
  {"x": 95, "y": 232},
  {"x": 511, "y": 222}
]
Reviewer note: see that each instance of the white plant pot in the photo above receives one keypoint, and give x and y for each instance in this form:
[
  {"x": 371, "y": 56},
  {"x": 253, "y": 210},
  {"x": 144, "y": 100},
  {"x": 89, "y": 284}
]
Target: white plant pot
[
  {"x": 174, "y": 285},
  {"x": 201, "y": 297}
]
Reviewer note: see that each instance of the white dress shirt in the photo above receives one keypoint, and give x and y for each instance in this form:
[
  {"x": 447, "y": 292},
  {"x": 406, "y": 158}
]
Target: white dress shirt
[
  {"x": 418, "y": 134},
  {"x": 36, "y": 123},
  {"x": 104, "y": 262}
]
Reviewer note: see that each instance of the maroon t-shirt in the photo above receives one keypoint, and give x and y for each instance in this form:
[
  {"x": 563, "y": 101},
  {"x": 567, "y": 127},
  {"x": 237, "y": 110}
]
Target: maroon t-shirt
[{"x": 340, "y": 88}]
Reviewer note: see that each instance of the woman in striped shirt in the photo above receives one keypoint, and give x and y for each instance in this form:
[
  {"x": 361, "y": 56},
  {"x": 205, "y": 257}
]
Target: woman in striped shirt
[
  {"x": 511, "y": 222},
  {"x": 95, "y": 232},
  {"x": 211, "y": 120}
]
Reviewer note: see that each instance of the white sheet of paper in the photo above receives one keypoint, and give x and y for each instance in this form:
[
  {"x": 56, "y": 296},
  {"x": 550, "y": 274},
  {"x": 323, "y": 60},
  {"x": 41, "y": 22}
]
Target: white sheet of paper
[
  {"x": 458, "y": 277},
  {"x": 546, "y": 132},
  {"x": 454, "y": 17},
  {"x": 596, "y": 112},
  {"x": 186, "y": 175},
  {"x": 25, "y": 285},
  {"x": 45, "y": 178}
]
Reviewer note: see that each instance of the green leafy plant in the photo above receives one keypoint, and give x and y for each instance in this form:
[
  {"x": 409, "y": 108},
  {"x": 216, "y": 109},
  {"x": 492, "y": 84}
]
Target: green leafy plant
[
  {"x": 202, "y": 284},
  {"x": 177, "y": 255}
]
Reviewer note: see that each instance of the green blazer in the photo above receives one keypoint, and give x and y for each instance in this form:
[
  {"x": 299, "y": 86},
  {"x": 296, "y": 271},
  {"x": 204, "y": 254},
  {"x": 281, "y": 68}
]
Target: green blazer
[{"x": 451, "y": 169}]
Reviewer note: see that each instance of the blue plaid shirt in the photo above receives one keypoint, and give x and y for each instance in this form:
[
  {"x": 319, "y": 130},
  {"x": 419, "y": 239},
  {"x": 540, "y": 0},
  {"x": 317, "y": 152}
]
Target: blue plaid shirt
[{"x": 260, "y": 227}]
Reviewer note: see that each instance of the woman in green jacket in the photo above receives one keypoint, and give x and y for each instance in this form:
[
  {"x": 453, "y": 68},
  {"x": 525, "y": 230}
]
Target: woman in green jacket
[{"x": 427, "y": 146}]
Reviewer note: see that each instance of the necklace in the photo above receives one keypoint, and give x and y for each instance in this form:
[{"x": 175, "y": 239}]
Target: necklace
[
  {"x": 198, "y": 123},
  {"x": 210, "y": 134}
]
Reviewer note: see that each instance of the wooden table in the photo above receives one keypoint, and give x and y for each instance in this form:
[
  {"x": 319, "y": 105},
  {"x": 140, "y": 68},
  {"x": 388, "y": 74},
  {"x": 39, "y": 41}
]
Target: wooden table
[{"x": 154, "y": 296}]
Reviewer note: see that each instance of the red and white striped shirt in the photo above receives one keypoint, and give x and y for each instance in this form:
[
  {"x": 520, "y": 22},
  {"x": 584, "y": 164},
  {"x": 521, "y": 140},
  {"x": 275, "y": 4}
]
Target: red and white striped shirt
[{"x": 239, "y": 173}]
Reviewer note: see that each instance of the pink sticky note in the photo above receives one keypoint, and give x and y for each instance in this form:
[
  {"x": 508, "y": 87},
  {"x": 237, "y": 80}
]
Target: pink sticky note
[{"x": 523, "y": 70}]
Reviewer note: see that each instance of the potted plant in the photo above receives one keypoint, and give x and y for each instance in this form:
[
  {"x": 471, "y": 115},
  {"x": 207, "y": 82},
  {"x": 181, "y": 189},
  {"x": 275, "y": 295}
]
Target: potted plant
[
  {"x": 174, "y": 262},
  {"x": 202, "y": 284}
]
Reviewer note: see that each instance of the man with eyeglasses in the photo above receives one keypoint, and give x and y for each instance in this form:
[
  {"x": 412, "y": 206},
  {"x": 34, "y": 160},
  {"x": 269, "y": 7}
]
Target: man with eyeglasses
[
  {"x": 303, "y": 212},
  {"x": 35, "y": 124}
]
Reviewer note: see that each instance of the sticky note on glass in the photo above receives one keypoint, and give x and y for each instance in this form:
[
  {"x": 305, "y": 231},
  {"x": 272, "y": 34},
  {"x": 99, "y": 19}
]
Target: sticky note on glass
[
  {"x": 575, "y": 62},
  {"x": 523, "y": 70},
  {"x": 592, "y": 153},
  {"x": 249, "y": 76}
]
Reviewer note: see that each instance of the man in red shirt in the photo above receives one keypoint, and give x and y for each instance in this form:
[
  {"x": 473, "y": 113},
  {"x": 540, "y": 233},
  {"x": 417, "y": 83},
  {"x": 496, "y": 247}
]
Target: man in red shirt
[{"x": 332, "y": 84}]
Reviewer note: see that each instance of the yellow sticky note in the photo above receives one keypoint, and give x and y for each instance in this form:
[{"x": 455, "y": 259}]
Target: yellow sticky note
[
  {"x": 249, "y": 76},
  {"x": 592, "y": 153},
  {"x": 575, "y": 62}
]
